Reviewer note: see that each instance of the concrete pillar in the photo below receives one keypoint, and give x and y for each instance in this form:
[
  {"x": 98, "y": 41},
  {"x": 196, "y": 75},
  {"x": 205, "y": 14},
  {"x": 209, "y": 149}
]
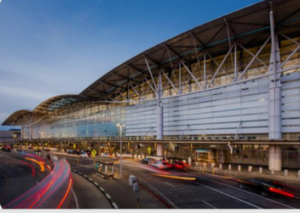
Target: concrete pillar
[
  {"x": 239, "y": 168},
  {"x": 260, "y": 170},
  {"x": 229, "y": 167},
  {"x": 299, "y": 175},
  {"x": 159, "y": 149},
  {"x": 249, "y": 168},
  {"x": 275, "y": 158},
  {"x": 286, "y": 172}
]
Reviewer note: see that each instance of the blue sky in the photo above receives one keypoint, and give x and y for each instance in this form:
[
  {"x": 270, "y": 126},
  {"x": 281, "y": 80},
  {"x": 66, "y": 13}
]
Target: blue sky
[{"x": 55, "y": 47}]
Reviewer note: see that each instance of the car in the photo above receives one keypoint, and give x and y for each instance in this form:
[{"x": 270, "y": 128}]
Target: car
[
  {"x": 147, "y": 161},
  {"x": 167, "y": 164},
  {"x": 106, "y": 154},
  {"x": 84, "y": 155},
  {"x": 88, "y": 152},
  {"x": 160, "y": 165},
  {"x": 267, "y": 187},
  {"x": 6, "y": 148},
  {"x": 178, "y": 165},
  {"x": 69, "y": 151}
]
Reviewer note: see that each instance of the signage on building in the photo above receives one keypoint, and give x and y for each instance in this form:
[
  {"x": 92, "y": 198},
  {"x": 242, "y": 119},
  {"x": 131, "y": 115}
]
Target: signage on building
[
  {"x": 202, "y": 150},
  {"x": 82, "y": 122}
]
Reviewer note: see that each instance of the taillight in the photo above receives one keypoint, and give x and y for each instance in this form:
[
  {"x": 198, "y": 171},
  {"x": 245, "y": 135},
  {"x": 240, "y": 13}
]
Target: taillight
[{"x": 281, "y": 192}]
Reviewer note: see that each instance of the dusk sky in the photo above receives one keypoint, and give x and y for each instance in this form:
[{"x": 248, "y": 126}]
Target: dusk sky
[{"x": 57, "y": 47}]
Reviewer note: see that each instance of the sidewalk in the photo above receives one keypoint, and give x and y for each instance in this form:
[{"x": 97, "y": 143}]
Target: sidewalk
[{"x": 291, "y": 178}]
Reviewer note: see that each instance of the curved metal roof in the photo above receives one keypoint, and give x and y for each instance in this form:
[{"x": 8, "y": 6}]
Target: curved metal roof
[
  {"x": 15, "y": 116},
  {"x": 48, "y": 105},
  {"x": 250, "y": 26},
  {"x": 56, "y": 102}
]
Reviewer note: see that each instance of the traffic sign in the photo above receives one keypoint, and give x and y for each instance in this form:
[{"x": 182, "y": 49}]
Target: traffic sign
[{"x": 94, "y": 152}]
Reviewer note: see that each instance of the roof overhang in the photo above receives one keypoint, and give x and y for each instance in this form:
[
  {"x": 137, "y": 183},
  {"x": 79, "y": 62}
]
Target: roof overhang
[{"x": 249, "y": 26}]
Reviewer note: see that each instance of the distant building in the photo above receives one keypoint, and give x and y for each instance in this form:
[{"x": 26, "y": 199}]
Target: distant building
[{"x": 10, "y": 136}]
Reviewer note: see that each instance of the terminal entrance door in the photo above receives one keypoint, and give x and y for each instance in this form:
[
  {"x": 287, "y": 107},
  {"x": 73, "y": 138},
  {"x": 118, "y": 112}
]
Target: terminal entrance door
[{"x": 202, "y": 155}]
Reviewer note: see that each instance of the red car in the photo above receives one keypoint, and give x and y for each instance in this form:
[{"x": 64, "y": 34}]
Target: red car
[
  {"x": 178, "y": 165},
  {"x": 6, "y": 148}
]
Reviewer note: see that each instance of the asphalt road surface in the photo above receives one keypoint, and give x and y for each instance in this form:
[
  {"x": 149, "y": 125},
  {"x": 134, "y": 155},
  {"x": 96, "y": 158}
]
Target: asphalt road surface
[
  {"x": 16, "y": 177},
  {"x": 206, "y": 192}
]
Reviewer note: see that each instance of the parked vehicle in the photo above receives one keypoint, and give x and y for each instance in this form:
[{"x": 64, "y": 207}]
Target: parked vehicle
[
  {"x": 6, "y": 148},
  {"x": 106, "y": 154},
  {"x": 69, "y": 151},
  {"x": 84, "y": 155}
]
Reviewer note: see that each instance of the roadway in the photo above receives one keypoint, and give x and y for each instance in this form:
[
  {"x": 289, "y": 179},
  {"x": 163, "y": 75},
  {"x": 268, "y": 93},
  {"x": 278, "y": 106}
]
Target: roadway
[
  {"x": 206, "y": 192},
  {"x": 16, "y": 177}
]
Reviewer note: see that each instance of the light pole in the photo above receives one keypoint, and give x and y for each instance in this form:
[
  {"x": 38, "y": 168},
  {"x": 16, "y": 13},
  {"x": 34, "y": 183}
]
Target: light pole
[{"x": 120, "y": 135}]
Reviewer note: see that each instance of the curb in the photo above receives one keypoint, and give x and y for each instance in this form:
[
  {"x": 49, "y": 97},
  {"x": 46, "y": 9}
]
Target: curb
[{"x": 113, "y": 204}]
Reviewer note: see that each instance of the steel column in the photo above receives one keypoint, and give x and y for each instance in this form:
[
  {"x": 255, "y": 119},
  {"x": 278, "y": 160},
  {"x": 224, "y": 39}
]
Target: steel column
[
  {"x": 204, "y": 70},
  {"x": 275, "y": 86},
  {"x": 159, "y": 114},
  {"x": 235, "y": 63}
]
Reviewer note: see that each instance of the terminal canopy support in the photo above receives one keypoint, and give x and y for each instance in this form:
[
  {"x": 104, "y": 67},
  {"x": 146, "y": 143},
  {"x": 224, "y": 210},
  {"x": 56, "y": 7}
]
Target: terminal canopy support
[{"x": 274, "y": 99}]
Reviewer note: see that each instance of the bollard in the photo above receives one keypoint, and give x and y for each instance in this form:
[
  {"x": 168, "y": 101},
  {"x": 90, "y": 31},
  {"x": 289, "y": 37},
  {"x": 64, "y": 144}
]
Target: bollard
[
  {"x": 286, "y": 172},
  {"x": 298, "y": 175},
  {"x": 249, "y": 168},
  {"x": 135, "y": 187},
  {"x": 229, "y": 167},
  {"x": 220, "y": 166},
  {"x": 138, "y": 203},
  {"x": 272, "y": 172},
  {"x": 260, "y": 170},
  {"x": 239, "y": 168}
]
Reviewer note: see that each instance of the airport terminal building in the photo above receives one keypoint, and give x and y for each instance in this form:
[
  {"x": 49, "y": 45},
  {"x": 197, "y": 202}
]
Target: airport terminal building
[{"x": 225, "y": 91}]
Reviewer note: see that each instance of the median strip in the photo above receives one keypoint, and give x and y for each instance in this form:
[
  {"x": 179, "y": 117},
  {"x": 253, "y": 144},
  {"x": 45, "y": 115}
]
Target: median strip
[{"x": 114, "y": 205}]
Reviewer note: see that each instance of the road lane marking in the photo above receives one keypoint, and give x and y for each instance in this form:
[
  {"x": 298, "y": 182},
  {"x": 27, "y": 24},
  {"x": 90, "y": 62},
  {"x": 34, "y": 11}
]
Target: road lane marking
[
  {"x": 115, "y": 205},
  {"x": 228, "y": 195},
  {"x": 75, "y": 197},
  {"x": 101, "y": 188},
  {"x": 85, "y": 176},
  {"x": 107, "y": 195},
  {"x": 96, "y": 183},
  {"x": 209, "y": 204},
  {"x": 90, "y": 180},
  {"x": 170, "y": 184},
  {"x": 248, "y": 192}
]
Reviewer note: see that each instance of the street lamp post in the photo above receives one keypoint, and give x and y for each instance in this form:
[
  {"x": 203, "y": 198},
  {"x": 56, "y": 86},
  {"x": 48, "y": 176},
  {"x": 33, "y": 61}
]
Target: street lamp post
[{"x": 120, "y": 135}]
